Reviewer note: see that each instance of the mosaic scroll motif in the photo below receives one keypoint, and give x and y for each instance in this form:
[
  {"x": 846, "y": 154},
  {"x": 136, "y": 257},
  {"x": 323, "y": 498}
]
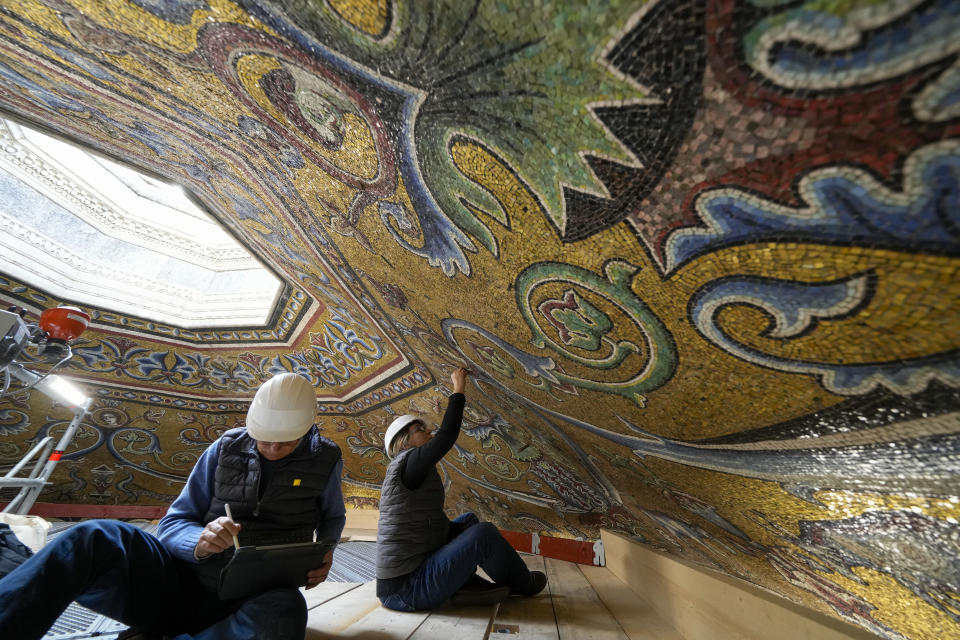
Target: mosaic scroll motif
[
  {"x": 812, "y": 45},
  {"x": 843, "y": 204},
  {"x": 582, "y": 334},
  {"x": 795, "y": 308},
  {"x": 716, "y": 129},
  {"x": 131, "y": 440}
]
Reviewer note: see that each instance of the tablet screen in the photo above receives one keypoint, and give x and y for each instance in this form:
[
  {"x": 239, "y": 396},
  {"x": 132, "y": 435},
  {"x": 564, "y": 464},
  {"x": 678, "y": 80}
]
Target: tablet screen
[{"x": 254, "y": 570}]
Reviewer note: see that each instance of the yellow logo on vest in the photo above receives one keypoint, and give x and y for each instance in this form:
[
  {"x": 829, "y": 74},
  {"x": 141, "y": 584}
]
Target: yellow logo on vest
[{"x": 296, "y": 482}]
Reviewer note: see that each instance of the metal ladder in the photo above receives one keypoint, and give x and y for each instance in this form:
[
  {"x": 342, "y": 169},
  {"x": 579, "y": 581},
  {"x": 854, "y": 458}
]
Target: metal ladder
[{"x": 47, "y": 455}]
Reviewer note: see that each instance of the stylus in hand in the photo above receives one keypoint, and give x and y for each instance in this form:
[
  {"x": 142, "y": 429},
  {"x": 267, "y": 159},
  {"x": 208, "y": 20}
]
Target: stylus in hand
[{"x": 236, "y": 542}]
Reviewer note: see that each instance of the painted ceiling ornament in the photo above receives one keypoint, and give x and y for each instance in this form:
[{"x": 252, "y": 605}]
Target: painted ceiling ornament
[{"x": 443, "y": 73}]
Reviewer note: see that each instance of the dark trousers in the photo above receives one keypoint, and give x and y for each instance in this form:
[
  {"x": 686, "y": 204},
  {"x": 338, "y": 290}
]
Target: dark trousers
[
  {"x": 121, "y": 572},
  {"x": 473, "y": 544}
]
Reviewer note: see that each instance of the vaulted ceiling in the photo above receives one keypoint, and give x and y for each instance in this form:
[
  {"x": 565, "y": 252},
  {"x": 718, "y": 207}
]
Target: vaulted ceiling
[{"x": 702, "y": 258}]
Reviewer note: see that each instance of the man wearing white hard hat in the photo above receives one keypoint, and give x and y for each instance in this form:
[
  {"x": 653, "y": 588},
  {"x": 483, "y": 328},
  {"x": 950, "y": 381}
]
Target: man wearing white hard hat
[
  {"x": 278, "y": 476},
  {"x": 424, "y": 559}
]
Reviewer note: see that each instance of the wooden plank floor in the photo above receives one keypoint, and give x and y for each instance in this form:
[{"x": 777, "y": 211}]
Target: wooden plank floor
[{"x": 579, "y": 603}]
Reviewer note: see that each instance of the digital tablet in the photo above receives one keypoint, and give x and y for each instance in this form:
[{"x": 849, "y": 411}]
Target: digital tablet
[{"x": 254, "y": 570}]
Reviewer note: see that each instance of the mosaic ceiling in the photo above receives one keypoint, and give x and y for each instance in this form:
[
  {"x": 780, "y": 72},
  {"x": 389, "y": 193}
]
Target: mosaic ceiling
[{"x": 702, "y": 257}]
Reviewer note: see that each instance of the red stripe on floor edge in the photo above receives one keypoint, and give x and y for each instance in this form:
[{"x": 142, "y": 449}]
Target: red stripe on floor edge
[
  {"x": 522, "y": 542},
  {"x": 579, "y": 551}
]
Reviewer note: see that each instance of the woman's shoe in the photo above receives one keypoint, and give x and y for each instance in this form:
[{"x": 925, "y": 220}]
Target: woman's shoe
[
  {"x": 475, "y": 596},
  {"x": 539, "y": 583},
  {"x": 476, "y": 581}
]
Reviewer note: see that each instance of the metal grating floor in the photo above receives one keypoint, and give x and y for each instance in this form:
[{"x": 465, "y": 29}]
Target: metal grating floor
[
  {"x": 79, "y": 622},
  {"x": 352, "y": 562}
]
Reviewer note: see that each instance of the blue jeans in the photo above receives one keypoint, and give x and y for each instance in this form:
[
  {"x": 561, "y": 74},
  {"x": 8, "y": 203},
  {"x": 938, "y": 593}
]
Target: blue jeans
[
  {"x": 473, "y": 544},
  {"x": 121, "y": 572}
]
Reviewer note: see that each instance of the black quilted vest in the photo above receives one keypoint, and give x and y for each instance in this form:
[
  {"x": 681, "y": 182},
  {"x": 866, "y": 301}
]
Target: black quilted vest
[
  {"x": 292, "y": 500},
  {"x": 412, "y": 523}
]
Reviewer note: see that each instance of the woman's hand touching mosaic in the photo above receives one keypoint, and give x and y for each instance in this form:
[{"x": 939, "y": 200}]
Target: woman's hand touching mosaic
[{"x": 459, "y": 379}]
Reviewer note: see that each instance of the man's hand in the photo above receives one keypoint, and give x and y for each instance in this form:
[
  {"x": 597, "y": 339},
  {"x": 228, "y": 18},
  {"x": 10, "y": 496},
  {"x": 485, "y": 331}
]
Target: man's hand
[
  {"x": 317, "y": 576},
  {"x": 459, "y": 379},
  {"x": 216, "y": 536}
]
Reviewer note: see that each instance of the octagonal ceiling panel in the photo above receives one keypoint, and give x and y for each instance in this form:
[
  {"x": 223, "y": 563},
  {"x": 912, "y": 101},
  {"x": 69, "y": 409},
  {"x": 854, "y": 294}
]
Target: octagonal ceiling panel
[{"x": 103, "y": 235}]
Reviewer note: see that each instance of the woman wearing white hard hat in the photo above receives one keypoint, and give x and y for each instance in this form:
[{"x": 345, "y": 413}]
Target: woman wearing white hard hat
[{"x": 424, "y": 559}]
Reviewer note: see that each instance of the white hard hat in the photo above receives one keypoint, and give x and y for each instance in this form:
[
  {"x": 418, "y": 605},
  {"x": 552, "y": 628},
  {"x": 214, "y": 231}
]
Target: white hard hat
[
  {"x": 283, "y": 409},
  {"x": 398, "y": 425}
]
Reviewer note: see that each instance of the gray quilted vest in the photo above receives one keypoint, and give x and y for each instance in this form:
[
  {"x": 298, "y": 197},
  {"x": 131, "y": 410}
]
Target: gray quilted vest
[
  {"x": 412, "y": 523},
  {"x": 292, "y": 500}
]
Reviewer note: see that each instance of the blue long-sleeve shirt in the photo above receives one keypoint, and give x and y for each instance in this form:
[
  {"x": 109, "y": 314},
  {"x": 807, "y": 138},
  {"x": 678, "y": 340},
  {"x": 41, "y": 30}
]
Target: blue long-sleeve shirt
[{"x": 180, "y": 528}]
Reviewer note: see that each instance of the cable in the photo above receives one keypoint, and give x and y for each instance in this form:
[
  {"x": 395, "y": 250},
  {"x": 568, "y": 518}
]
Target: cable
[
  {"x": 51, "y": 369},
  {"x": 27, "y": 387}
]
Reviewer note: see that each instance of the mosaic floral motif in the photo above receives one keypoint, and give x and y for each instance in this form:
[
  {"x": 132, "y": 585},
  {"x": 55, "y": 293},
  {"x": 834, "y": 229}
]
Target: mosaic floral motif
[
  {"x": 131, "y": 441},
  {"x": 336, "y": 354},
  {"x": 445, "y": 93},
  {"x": 13, "y": 422},
  {"x": 580, "y": 328},
  {"x": 658, "y": 346},
  {"x": 701, "y": 258}
]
